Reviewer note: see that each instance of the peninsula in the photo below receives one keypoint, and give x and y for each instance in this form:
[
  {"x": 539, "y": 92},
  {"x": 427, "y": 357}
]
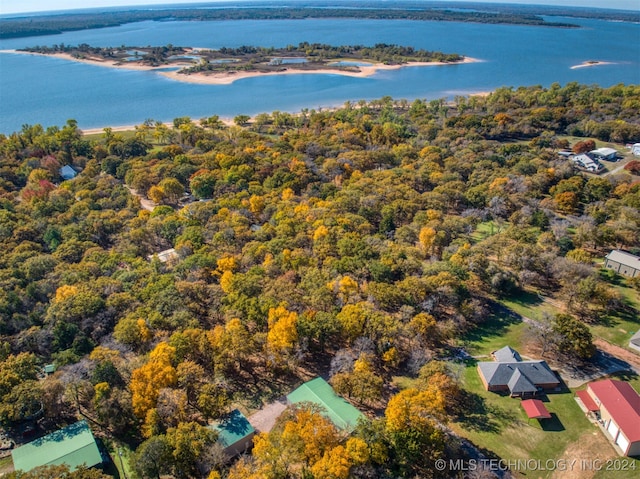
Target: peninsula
[{"x": 226, "y": 65}]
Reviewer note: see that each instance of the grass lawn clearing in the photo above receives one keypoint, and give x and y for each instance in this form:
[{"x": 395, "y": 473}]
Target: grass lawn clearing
[
  {"x": 530, "y": 305},
  {"x": 619, "y": 326},
  {"x": 120, "y": 454},
  {"x": 499, "y": 424},
  {"x": 484, "y": 230},
  {"x": 499, "y": 329}
]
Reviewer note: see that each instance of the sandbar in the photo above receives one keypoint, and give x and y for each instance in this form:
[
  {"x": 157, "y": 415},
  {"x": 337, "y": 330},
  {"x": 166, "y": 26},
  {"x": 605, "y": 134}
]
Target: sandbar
[
  {"x": 591, "y": 63},
  {"x": 226, "y": 78}
]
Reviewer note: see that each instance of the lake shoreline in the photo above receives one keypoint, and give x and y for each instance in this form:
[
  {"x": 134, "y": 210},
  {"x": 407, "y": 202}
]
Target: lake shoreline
[
  {"x": 227, "y": 78},
  {"x": 226, "y": 121}
]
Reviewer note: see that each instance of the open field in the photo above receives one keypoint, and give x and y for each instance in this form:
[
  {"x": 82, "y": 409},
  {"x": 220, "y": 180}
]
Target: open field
[
  {"x": 619, "y": 327},
  {"x": 497, "y": 331},
  {"x": 500, "y": 425}
]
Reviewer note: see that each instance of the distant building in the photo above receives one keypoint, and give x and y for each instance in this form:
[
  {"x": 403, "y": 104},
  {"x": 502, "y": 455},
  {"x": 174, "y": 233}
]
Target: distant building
[
  {"x": 585, "y": 162},
  {"x": 235, "y": 433},
  {"x": 67, "y": 173},
  {"x": 623, "y": 263},
  {"x": 616, "y": 407},
  {"x": 520, "y": 378},
  {"x": 165, "y": 256},
  {"x": 608, "y": 154},
  {"x": 335, "y": 408},
  {"x": 74, "y": 446},
  {"x": 635, "y": 149}
]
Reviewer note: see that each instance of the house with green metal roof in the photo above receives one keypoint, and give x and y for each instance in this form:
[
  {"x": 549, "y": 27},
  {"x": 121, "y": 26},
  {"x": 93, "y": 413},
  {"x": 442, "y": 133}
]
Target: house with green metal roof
[
  {"x": 335, "y": 408},
  {"x": 235, "y": 433},
  {"x": 74, "y": 446}
]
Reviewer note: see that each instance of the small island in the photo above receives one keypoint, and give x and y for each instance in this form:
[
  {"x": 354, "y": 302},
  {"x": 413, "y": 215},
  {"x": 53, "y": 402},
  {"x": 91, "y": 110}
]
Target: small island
[
  {"x": 591, "y": 63},
  {"x": 225, "y": 65}
]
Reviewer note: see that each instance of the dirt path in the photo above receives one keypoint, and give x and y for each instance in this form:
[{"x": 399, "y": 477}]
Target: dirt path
[
  {"x": 265, "y": 418},
  {"x": 144, "y": 202},
  {"x": 580, "y": 455}
]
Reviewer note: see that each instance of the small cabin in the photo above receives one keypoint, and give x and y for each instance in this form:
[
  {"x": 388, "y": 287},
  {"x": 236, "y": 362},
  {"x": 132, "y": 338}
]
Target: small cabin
[
  {"x": 235, "y": 433},
  {"x": 67, "y": 173},
  {"x": 607, "y": 154},
  {"x": 166, "y": 256}
]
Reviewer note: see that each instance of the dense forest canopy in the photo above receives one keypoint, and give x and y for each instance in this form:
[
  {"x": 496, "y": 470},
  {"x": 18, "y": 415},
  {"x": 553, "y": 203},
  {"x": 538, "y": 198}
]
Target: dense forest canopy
[
  {"x": 49, "y": 24},
  {"x": 333, "y": 242}
]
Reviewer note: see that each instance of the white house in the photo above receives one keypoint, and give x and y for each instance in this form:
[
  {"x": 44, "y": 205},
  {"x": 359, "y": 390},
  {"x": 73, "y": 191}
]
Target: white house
[
  {"x": 585, "y": 162},
  {"x": 608, "y": 154},
  {"x": 166, "y": 256}
]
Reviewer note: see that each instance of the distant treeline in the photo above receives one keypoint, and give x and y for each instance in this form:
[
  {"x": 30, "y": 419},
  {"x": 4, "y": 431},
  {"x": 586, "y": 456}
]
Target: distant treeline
[{"x": 52, "y": 24}]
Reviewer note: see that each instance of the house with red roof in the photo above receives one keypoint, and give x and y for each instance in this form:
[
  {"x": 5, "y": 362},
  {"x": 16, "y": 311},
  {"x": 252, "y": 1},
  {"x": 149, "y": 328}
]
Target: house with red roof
[{"x": 616, "y": 406}]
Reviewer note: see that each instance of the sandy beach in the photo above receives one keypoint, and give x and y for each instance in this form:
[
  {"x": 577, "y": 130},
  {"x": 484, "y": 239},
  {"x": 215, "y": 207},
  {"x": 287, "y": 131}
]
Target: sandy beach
[
  {"x": 591, "y": 64},
  {"x": 98, "y": 61},
  {"x": 121, "y": 128},
  {"x": 226, "y": 78}
]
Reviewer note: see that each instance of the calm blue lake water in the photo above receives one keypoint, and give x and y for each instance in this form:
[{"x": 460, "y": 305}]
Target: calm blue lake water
[{"x": 49, "y": 91}]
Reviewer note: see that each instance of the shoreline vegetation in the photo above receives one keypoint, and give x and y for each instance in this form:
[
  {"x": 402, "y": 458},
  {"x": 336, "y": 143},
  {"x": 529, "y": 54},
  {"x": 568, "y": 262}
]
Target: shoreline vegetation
[
  {"x": 226, "y": 121},
  {"x": 51, "y": 24},
  {"x": 225, "y": 66}
]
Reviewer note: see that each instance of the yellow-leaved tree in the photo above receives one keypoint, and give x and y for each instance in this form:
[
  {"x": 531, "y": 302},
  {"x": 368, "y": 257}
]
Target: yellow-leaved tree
[
  {"x": 413, "y": 408},
  {"x": 283, "y": 334},
  {"x": 147, "y": 380}
]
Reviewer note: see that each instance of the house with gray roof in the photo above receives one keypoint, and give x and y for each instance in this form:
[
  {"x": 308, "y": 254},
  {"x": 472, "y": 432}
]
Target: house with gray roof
[
  {"x": 520, "y": 378},
  {"x": 506, "y": 354},
  {"x": 623, "y": 263}
]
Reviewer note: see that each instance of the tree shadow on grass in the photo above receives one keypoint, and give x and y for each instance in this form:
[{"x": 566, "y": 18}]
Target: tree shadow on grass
[
  {"x": 496, "y": 323},
  {"x": 625, "y": 375},
  {"x": 525, "y": 299},
  {"x": 108, "y": 466},
  {"x": 553, "y": 424},
  {"x": 480, "y": 416}
]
